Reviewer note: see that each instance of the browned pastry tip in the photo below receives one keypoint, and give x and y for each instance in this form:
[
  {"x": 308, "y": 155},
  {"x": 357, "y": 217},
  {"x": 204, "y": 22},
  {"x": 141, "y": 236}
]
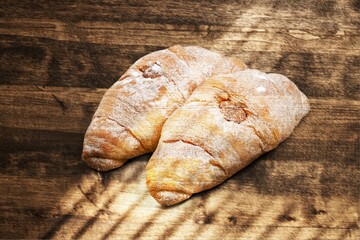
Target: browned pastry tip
[{"x": 104, "y": 151}]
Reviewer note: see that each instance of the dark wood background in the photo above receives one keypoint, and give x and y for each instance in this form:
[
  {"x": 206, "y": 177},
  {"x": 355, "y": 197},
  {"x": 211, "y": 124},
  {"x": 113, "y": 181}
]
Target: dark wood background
[{"x": 57, "y": 58}]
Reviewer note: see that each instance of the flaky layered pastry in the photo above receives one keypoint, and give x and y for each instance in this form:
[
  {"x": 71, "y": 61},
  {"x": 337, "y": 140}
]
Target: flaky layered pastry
[
  {"x": 132, "y": 112},
  {"x": 228, "y": 121}
]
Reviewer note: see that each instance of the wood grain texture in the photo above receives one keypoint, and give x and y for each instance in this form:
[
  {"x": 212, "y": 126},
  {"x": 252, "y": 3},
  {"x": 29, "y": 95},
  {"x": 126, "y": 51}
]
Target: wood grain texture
[{"x": 57, "y": 59}]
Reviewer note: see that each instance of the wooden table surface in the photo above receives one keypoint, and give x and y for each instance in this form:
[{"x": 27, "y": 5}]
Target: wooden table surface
[{"x": 57, "y": 58}]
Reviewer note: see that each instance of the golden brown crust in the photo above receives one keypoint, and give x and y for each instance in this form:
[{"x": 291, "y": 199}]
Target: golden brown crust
[
  {"x": 130, "y": 117},
  {"x": 203, "y": 143}
]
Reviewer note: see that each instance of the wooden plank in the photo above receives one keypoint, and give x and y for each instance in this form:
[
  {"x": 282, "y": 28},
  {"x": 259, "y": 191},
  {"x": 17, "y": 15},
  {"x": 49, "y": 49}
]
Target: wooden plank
[
  {"x": 58, "y": 109},
  {"x": 36, "y": 61},
  {"x": 213, "y": 12},
  {"x": 120, "y": 206},
  {"x": 228, "y": 232},
  {"x": 70, "y": 110},
  {"x": 263, "y": 34}
]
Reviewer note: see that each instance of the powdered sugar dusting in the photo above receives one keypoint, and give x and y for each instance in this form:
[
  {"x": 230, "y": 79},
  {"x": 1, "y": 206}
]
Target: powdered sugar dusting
[
  {"x": 135, "y": 74},
  {"x": 259, "y": 74},
  {"x": 261, "y": 89},
  {"x": 142, "y": 90},
  {"x": 156, "y": 67},
  {"x": 113, "y": 129},
  {"x": 152, "y": 70}
]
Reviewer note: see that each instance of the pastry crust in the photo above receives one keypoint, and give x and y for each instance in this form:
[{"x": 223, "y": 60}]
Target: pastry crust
[
  {"x": 228, "y": 121},
  {"x": 132, "y": 112}
]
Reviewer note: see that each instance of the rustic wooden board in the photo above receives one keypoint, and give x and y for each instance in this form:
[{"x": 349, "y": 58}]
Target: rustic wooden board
[{"x": 58, "y": 58}]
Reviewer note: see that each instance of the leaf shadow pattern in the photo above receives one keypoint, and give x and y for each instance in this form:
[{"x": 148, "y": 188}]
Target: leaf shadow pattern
[
  {"x": 124, "y": 216},
  {"x": 107, "y": 178},
  {"x": 285, "y": 216}
]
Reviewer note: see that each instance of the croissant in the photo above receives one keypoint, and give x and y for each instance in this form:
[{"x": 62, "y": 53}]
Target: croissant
[
  {"x": 132, "y": 112},
  {"x": 226, "y": 123}
]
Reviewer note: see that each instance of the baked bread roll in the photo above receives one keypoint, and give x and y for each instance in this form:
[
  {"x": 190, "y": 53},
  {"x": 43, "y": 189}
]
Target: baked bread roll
[
  {"x": 132, "y": 112},
  {"x": 226, "y": 123}
]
